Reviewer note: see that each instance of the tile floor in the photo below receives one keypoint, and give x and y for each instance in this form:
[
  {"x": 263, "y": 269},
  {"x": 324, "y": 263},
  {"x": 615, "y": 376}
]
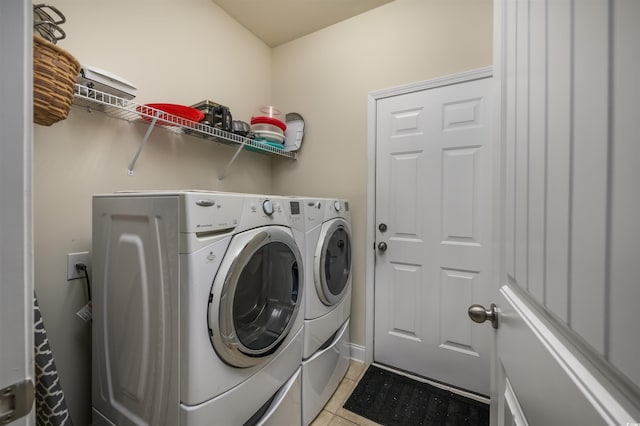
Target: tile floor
[{"x": 333, "y": 414}]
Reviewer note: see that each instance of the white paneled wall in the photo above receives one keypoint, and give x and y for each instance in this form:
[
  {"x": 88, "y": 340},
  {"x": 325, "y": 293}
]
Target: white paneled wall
[
  {"x": 623, "y": 340},
  {"x": 572, "y": 170}
]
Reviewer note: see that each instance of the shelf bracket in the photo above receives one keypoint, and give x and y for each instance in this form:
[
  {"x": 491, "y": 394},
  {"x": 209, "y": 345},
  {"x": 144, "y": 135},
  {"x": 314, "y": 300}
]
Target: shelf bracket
[
  {"x": 144, "y": 141},
  {"x": 224, "y": 173}
]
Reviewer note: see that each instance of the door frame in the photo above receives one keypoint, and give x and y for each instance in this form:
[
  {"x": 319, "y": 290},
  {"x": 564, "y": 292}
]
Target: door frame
[
  {"x": 367, "y": 352},
  {"x": 16, "y": 191}
]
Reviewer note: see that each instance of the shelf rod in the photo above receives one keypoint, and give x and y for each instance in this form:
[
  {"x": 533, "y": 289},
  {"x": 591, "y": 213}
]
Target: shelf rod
[
  {"x": 222, "y": 175},
  {"x": 144, "y": 141}
]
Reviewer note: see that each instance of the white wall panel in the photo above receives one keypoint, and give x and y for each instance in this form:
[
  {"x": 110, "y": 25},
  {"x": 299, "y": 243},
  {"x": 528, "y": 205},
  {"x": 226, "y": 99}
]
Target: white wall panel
[
  {"x": 572, "y": 229},
  {"x": 624, "y": 255},
  {"x": 589, "y": 168},
  {"x": 558, "y": 160},
  {"x": 522, "y": 143},
  {"x": 537, "y": 149},
  {"x": 510, "y": 141}
]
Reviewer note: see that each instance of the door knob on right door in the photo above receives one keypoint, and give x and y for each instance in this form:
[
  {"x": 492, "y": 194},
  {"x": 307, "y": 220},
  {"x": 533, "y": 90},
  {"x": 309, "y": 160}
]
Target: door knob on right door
[
  {"x": 382, "y": 246},
  {"x": 479, "y": 314}
]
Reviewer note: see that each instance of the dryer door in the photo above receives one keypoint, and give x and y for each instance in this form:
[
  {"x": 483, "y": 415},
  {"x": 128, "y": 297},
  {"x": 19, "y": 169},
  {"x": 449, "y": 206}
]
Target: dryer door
[
  {"x": 256, "y": 295},
  {"x": 332, "y": 261}
]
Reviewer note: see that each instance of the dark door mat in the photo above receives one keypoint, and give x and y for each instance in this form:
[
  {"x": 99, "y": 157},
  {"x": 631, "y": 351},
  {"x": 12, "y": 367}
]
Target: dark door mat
[{"x": 391, "y": 399}]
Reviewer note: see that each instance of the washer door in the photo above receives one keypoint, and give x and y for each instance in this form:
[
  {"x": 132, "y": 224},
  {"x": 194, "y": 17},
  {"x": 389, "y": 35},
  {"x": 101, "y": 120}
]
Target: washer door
[
  {"x": 255, "y": 296},
  {"x": 332, "y": 261}
]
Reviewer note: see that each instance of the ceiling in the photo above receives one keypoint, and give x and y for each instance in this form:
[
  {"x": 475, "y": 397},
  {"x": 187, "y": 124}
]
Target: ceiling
[{"x": 278, "y": 21}]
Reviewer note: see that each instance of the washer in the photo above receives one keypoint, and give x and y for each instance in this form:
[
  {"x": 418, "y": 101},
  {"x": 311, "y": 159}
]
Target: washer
[
  {"x": 198, "y": 310},
  {"x": 327, "y": 264}
]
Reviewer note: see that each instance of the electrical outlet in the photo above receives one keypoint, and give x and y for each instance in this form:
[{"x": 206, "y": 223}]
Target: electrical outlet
[{"x": 72, "y": 260}]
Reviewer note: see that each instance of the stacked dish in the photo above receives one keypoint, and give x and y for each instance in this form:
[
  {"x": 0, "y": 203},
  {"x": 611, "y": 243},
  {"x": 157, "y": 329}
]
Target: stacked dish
[{"x": 268, "y": 128}]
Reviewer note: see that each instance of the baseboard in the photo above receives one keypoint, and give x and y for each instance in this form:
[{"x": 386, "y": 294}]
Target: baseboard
[{"x": 357, "y": 352}]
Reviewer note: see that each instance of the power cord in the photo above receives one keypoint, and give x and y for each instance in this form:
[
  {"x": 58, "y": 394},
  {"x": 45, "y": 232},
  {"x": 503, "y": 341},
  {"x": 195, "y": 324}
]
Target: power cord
[{"x": 82, "y": 267}]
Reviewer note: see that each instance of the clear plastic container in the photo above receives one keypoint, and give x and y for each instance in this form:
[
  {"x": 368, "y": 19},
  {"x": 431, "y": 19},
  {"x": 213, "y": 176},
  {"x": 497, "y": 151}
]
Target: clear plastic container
[{"x": 270, "y": 111}]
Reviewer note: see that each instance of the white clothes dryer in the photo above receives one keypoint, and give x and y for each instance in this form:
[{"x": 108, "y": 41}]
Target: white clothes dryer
[
  {"x": 327, "y": 264},
  {"x": 198, "y": 310}
]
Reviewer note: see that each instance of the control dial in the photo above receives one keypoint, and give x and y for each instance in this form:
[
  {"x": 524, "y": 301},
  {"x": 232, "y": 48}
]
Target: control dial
[
  {"x": 337, "y": 206},
  {"x": 267, "y": 207}
]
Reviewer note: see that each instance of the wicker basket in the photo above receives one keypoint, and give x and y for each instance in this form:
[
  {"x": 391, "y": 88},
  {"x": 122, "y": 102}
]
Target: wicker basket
[{"x": 54, "y": 76}]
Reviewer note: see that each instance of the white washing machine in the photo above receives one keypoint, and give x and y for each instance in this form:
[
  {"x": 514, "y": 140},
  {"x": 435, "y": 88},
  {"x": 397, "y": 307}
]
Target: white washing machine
[
  {"x": 198, "y": 310},
  {"x": 327, "y": 264}
]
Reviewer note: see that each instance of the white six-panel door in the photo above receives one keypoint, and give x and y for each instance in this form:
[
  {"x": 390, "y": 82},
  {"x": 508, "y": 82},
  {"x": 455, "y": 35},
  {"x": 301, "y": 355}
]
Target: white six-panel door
[{"x": 433, "y": 194}]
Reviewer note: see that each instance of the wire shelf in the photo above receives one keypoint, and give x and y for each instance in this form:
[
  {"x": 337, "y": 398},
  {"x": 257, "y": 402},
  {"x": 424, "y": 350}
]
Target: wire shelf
[{"x": 114, "y": 106}]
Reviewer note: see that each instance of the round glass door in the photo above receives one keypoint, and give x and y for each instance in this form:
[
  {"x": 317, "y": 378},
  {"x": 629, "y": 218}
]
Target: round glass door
[
  {"x": 266, "y": 296},
  {"x": 333, "y": 265},
  {"x": 260, "y": 298}
]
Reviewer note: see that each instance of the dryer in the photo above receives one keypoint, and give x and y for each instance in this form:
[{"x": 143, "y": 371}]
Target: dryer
[
  {"x": 327, "y": 264},
  {"x": 198, "y": 310}
]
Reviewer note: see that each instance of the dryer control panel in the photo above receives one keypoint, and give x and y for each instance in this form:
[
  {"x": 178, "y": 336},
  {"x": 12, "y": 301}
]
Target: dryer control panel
[
  {"x": 262, "y": 211},
  {"x": 267, "y": 207},
  {"x": 208, "y": 212},
  {"x": 337, "y": 208}
]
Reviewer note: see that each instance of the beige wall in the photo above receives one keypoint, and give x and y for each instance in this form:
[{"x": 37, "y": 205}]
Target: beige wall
[
  {"x": 327, "y": 76},
  {"x": 174, "y": 51},
  {"x": 187, "y": 51}
]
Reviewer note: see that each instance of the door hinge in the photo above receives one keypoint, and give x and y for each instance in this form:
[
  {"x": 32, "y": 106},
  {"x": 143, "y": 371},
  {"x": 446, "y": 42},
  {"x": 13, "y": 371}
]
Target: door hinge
[{"x": 16, "y": 401}]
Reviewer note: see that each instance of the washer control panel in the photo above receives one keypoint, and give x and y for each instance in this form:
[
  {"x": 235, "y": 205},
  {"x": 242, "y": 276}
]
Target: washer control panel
[{"x": 267, "y": 207}]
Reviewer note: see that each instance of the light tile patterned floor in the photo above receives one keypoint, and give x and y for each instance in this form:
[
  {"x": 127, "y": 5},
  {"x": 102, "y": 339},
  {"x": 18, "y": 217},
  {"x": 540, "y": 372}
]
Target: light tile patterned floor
[{"x": 333, "y": 414}]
